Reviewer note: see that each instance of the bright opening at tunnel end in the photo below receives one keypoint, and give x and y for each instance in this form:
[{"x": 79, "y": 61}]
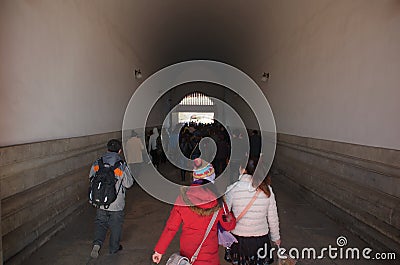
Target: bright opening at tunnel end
[{"x": 152, "y": 89}]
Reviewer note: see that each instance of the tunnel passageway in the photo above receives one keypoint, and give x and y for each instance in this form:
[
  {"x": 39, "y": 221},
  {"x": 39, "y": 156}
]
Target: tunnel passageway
[{"x": 329, "y": 70}]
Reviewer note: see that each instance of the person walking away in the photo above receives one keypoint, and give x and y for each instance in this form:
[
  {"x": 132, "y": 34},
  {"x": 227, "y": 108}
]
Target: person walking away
[
  {"x": 186, "y": 148},
  {"x": 153, "y": 148},
  {"x": 253, "y": 203},
  {"x": 164, "y": 137},
  {"x": 173, "y": 142},
  {"x": 133, "y": 153},
  {"x": 112, "y": 217},
  {"x": 255, "y": 146},
  {"x": 194, "y": 209},
  {"x": 221, "y": 155},
  {"x": 236, "y": 157}
]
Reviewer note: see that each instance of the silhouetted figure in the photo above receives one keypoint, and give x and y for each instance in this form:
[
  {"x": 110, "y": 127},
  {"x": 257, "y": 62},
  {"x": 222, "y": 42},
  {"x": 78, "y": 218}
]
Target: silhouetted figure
[
  {"x": 186, "y": 148},
  {"x": 153, "y": 148},
  {"x": 222, "y": 155},
  {"x": 238, "y": 156},
  {"x": 255, "y": 146}
]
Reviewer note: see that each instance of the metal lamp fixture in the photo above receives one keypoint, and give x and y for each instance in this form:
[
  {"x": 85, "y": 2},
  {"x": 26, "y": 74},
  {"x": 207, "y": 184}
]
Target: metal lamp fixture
[
  {"x": 265, "y": 77},
  {"x": 138, "y": 74}
]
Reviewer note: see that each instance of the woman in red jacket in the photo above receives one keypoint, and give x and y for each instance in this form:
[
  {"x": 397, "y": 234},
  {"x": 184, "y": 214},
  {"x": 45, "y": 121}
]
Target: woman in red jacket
[{"x": 194, "y": 208}]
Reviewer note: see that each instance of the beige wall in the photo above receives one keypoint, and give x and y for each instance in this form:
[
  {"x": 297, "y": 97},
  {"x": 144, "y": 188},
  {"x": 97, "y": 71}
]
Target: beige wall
[
  {"x": 335, "y": 69},
  {"x": 42, "y": 186},
  {"x": 356, "y": 185},
  {"x": 65, "y": 69}
]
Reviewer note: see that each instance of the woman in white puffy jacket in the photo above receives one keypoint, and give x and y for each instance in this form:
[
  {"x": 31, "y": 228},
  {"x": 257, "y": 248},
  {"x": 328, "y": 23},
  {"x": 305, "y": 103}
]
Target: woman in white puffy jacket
[{"x": 258, "y": 221}]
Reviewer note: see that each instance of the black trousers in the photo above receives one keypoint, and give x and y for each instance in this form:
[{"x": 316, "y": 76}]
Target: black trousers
[
  {"x": 105, "y": 220},
  {"x": 155, "y": 158}
]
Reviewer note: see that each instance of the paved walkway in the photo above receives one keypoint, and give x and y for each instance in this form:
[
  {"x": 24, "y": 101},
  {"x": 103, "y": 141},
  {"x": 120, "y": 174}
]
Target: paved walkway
[{"x": 301, "y": 226}]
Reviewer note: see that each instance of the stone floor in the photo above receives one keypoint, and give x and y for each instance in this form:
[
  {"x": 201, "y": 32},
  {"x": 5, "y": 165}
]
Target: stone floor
[{"x": 301, "y": 226}]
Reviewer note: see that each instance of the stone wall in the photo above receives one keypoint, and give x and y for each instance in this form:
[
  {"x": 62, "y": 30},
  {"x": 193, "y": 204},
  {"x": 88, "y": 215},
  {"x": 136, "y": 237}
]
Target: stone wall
[
  {"x": 42, "y": 185},
  {"x": 358, "y": 186}
]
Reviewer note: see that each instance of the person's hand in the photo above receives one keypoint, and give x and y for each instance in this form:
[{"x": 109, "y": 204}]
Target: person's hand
[
  {"x": 227, "y": 217},
  {"x": 157, "y": 257},
  {"x": 277, "y": 242}
]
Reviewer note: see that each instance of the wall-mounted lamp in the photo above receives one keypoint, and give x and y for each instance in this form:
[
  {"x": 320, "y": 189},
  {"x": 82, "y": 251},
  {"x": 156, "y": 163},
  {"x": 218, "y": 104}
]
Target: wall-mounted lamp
[
  {"x": 138, "y": 74},
  {"x": 265, "y": 77}
]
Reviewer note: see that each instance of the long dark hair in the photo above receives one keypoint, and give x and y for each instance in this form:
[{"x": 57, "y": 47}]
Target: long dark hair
[{"x": 261, "y": 179}]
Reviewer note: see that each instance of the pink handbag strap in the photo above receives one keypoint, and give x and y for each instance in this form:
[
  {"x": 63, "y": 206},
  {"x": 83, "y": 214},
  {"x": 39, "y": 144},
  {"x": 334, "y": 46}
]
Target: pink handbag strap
[{"x": 248, "y": 206}]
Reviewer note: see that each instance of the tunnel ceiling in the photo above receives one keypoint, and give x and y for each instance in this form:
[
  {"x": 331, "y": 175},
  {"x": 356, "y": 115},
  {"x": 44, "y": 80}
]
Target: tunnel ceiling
[
  {"x": 166, "y": 32},
  {"x": 240, "y": 33}
]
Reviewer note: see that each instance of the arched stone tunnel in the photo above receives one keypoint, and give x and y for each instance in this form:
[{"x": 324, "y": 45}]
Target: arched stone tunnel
[{"x": 67, "y": 74}]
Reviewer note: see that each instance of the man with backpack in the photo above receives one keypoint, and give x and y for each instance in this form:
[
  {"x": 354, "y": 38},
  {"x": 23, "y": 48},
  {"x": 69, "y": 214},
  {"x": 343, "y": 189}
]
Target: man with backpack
[{"x": 109, "y": 178}]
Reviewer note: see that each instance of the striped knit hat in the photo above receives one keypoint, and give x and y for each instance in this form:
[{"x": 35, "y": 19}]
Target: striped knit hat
[{"x": 203, "y": 170}]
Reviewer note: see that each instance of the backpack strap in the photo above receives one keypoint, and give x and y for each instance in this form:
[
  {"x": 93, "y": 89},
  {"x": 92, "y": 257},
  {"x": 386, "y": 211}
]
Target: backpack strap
[
  {"x": 119, "y": 188},
  {"x": 100, "y": 164},
  {"x": 117, "y": 165},
  {"x": 115, "y": 168}
]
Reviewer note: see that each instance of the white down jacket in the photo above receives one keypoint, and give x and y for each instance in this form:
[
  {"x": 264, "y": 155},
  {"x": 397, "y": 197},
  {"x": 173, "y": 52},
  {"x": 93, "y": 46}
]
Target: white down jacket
[{"x": 261, "y": 218}]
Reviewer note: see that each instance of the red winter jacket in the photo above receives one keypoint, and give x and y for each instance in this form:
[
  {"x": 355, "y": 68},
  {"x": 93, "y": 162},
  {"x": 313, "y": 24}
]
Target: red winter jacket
[{"x": 195, "y": 221}]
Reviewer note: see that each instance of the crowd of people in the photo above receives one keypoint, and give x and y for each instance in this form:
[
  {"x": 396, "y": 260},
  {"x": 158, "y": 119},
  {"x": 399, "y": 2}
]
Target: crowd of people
[
  {"x": 188, "y": 137},
  {"x": 248, "y": 209}
]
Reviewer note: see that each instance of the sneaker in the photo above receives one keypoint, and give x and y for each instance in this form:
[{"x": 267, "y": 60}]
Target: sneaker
[{"x": 95, "y": 251}]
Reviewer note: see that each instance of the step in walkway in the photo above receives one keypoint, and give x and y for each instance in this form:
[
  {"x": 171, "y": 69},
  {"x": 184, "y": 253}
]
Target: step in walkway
[{"x": 301, "y": 224}]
